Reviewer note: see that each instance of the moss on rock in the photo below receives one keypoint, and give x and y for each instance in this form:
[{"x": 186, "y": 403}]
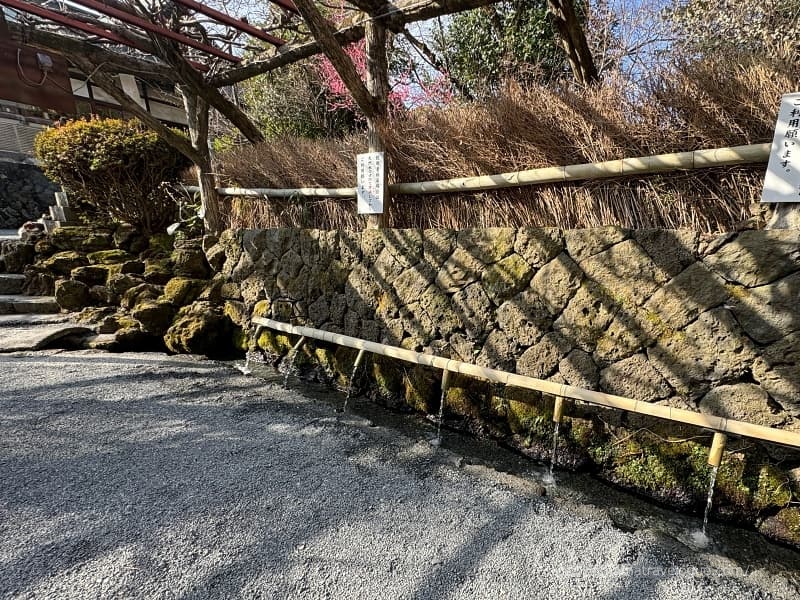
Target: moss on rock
[
  {"x": 180, "y": 291},
  {"x": 90, "y": 274},
  {"x": 158, "y": 270},
  {"x": 155, "y": 316},
  {"x": 201, "y": 328},
  {"x": 71, "y": 295},
  {"x": 273, "y": 343},
  {"x": 81, "y": 239},
  {"x": 62, "y": 263},
  {"x": 110, "y": 257}
]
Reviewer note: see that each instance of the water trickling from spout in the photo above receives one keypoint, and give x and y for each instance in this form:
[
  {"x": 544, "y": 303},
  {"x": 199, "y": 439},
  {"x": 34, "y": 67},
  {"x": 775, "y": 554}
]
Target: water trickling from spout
[
  {"x": 351, "y": 385},
  {"x": 290, "y": 358},
  {"x": 554, "y": 453},
  {"x": 245, "y": 368},
  {"x": 710, "y": 500},
  {"x": 442, "y": 401}
]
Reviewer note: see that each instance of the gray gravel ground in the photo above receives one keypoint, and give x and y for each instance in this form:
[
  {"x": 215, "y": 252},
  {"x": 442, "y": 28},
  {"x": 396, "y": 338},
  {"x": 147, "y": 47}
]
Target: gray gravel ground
[{"x": 145, "y": 476}]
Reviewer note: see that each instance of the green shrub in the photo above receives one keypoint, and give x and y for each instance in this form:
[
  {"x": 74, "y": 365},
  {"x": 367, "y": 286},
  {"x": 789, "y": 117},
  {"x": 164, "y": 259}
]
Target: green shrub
[{"x": 117, "y": 167}]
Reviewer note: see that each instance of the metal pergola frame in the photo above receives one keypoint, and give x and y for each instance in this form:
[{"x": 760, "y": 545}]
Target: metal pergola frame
[{"x": 128, "y": 18}]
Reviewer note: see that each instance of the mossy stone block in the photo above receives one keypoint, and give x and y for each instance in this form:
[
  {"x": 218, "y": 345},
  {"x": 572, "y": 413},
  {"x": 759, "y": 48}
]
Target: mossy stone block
[
  {"x": 154, "y": 316},
  {"x": 158, "y": 270},
  {"x": 180, "y": 291},
  {"x": 109, "y": 257},
  {"x": 62, "y": 263}
]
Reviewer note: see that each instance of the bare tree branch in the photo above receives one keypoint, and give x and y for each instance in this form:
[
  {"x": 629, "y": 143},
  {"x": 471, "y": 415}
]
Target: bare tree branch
[
  {"x": 396, "y": 15},
  {"x": 110, "y": 86},
  {"x": 323, "y": 32}
]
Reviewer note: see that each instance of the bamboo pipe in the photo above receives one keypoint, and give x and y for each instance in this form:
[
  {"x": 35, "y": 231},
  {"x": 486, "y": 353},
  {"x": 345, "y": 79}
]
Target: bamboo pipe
[
  {"x": 445, "y": 383},
  {"x": 281, "y": 193},
  {"x": 643, "y": 165},
  {"x": 558, "y": 409},
  {"x": 599, "y": 170},
  {"x": 717, "y": 448},
  {"x": 359, "y": 358},
  {"x": 719, "y": 424}
]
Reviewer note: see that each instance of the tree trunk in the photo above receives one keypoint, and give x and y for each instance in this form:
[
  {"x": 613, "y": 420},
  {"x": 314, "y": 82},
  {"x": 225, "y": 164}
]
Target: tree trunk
[
  {"x": 378, "y": 87},
  {"x": 197, "y": 118},
  {"x": 573, "y": 39}
]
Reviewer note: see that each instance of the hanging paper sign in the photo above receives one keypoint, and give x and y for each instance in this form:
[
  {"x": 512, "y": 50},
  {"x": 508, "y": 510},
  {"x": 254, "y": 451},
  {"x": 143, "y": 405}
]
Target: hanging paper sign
[
  {"x": 371, "y": 183},
  {"x": 782, "y": 181}
]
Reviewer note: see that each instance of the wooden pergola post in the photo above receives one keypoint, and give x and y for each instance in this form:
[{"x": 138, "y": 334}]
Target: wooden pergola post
[{"x": 378, "y": 87}]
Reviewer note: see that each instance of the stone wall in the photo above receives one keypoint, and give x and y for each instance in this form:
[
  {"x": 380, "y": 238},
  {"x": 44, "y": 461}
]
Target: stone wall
[
  {"x": 705, "y": 322},
  {"x": 25, "y": 194},
  {"x": 709, "y": 323}
]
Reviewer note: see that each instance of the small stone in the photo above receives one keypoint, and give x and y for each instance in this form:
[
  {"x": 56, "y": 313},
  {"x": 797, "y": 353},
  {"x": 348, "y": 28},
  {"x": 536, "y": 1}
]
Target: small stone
[
  {"x": 191, "y": 262},
  {"x": 497, "y": 352},
  {"x": 778, "y": 373},
  {"x": 671, "y": 249},
  {"x": 62, "y": 263},
  {"x": 626, "y": 272},
  {"x": 154, "y": 316},
  {"x": 182, "y": 290},
  {"x": 769, "y": 312},
  {"x": 711, "y": 349},
  {"x": 524, "y": 318},
  {"x": 488, "y": 244},
  {"x": 71, "y": 295},
  {"x": 474, "y": 308},
  {"x": 681, "y": 300},
  {"x": 460, "y": 270},
  {"x": 585, "y": 318},
  {"x": 140, "y": 293},
  {"x": 200, "y": 328},
  {"x": 538, "y": 246},
  {"x": 90, "y": 274}
]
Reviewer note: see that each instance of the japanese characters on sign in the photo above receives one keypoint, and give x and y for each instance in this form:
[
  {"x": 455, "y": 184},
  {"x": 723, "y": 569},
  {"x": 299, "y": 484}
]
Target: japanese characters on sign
[
  {"x": 782, "y": 181},
  {"x": 371, "y": 183}
]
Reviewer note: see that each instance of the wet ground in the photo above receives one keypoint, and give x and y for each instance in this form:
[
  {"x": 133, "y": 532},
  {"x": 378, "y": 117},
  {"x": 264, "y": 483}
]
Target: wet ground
[{"x": 146, "y": 476}]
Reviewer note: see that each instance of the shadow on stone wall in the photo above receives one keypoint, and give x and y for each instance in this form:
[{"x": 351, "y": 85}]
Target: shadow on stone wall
[{"x": 709, "y": 323}]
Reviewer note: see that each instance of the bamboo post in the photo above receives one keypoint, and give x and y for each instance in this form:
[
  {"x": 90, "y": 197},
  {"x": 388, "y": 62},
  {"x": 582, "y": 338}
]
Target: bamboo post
[
  {"x": 558, "y": 409},
  {"x": 717, "y": 448}
]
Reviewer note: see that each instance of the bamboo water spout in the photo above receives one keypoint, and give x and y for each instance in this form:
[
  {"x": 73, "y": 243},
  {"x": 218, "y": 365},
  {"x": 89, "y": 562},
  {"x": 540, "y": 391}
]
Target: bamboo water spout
[{"x": 678, "y": 415}]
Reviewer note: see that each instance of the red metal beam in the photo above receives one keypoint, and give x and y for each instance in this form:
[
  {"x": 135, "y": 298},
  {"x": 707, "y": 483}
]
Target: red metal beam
[
  {"x": 131, "y": 19},
  {"x": 233, "y": 22},
  {"x": 85, "y": 27},
  {"x": 69, "y": 22}
]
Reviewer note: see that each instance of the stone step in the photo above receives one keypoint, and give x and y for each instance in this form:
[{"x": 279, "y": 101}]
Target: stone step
[
  {"x": 11, "y": 283},
  {"x": 14, "y": 304}
]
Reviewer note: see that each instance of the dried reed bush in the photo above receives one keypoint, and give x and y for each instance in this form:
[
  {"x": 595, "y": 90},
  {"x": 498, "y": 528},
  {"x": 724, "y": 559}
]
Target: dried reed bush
[{"x": 717, "y": 102}]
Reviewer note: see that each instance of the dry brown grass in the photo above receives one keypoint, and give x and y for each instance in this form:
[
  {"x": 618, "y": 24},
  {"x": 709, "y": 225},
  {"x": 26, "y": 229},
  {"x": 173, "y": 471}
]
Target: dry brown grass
[{"x": 709, "y": 104}]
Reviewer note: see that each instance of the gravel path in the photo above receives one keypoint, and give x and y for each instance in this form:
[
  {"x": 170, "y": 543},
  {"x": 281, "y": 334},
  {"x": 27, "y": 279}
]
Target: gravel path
[{"x": 144, "y": 476}]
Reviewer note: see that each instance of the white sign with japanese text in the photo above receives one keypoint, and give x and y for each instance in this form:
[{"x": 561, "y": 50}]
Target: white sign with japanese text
[
  {"x": 782, "y": 181},
  {"x": 371, "y": 183}
]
